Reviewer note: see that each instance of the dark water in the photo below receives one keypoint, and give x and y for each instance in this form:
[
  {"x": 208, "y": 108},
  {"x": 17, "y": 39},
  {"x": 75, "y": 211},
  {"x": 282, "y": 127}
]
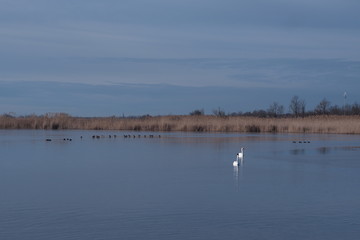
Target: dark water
[{"x": 179, "y": 186}]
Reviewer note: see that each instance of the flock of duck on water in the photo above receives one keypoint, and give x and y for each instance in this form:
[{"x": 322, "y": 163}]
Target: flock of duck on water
[
  {"x": 239, "y": 156},
  {"x": 112, "y": 136},
  {"x": 126, "y": 136}
]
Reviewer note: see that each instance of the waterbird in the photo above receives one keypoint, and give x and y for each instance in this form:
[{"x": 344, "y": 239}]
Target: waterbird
[{"x": 239, "y": 156}]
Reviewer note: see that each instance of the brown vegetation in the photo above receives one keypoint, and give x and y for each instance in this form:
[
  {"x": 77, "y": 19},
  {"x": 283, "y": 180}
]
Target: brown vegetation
[{"x": 201, "y": 123}]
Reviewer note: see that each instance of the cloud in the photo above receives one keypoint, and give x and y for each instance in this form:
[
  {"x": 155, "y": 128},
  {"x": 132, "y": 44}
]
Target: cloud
[
  {"x": 281, "y": 13},
  {"x": 138, "y": 99},
  {"x": 180, "y": 29},
  {"x": 195, "y": 72},
  {"x": 277, "y": 44}
]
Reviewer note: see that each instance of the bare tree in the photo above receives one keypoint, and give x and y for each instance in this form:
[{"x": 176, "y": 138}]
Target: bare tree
[
  {"x": 323, "y": 107},
  {"x": 302, "y": 107},
  {"x": 335, "y": 110},
  {"x": 297, "y": 106},
  {"x": 197, "y": 112},
  {"x": 219, "y": 112},
  {"x": 355, "y": 109},
  {"x": 275, "y": 109},
  {"x": 294, "y": 105}
]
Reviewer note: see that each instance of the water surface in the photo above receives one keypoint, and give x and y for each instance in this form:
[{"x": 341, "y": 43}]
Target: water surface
[{"x": 178, "y": 186}]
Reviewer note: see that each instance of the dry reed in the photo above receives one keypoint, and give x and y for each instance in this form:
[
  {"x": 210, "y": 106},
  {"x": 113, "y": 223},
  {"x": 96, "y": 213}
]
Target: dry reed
[{"x": 313, "y": 124}]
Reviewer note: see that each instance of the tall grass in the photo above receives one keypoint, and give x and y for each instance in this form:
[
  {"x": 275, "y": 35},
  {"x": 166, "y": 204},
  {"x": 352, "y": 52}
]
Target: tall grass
[{"x": 313, "y": 124}]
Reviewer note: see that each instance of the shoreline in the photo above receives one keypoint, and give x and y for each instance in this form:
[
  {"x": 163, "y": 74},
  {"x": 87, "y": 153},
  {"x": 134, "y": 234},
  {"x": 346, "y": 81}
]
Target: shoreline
[{"x": 185, "y": 123}]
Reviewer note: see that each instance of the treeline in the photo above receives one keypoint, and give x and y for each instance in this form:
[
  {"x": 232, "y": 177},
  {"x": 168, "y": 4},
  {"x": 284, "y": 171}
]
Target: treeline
[
  {"x": 186, "y": 123},
  {"x": 296, "y": 108},
  {"x": 324, "y": 118}
]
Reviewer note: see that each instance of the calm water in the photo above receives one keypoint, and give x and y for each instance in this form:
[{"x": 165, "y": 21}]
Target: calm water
[{"x": 179, "y": 186}]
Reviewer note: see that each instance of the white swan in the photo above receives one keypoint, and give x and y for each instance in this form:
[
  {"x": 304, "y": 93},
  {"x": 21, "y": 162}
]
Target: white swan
[
  {"x": 241, "y": 153},
  {"x": 236, "y": 163},
  {"x": 239, "y": 156}
]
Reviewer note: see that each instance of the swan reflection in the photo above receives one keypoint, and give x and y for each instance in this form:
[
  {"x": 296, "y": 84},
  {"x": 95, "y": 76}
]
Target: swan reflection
[{"x": 238, "y": 172}]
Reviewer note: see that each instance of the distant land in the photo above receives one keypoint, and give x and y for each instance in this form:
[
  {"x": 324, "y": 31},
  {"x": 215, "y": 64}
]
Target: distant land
[{"x": 328, "y": 124}]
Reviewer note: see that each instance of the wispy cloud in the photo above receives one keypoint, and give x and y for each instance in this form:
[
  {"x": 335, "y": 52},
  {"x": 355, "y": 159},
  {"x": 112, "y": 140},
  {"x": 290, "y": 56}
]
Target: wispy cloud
[
  {"x": 137, "y": 99},
  {"x": 275, "y": 44},
  {"x": 270, "y": 73}
]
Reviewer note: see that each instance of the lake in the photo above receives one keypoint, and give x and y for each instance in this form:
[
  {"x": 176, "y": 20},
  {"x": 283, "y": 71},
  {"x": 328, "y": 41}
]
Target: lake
[{"x": 178, "y": 186}]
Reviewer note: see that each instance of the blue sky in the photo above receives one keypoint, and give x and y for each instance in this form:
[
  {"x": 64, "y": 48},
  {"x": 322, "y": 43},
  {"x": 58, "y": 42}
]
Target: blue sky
[{"x": 102, "y": 58}]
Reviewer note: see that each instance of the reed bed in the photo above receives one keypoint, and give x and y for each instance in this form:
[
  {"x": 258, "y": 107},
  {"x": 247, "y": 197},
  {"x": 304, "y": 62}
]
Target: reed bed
[{"x": 204, "y": 123}]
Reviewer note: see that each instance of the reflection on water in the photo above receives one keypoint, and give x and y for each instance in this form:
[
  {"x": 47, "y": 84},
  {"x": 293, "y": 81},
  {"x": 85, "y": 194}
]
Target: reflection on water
[
  {"x": 297, "y": 151},
  {"x": 351, "y": 148},
  {"x": 323, "y": 150},
  {"x": 238, "y": 173},
  {"x": 236, "y": 177}
]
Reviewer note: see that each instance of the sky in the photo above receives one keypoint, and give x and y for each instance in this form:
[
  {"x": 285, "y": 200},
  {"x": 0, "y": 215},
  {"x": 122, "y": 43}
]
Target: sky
[{"x": 158, "y": 57}]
